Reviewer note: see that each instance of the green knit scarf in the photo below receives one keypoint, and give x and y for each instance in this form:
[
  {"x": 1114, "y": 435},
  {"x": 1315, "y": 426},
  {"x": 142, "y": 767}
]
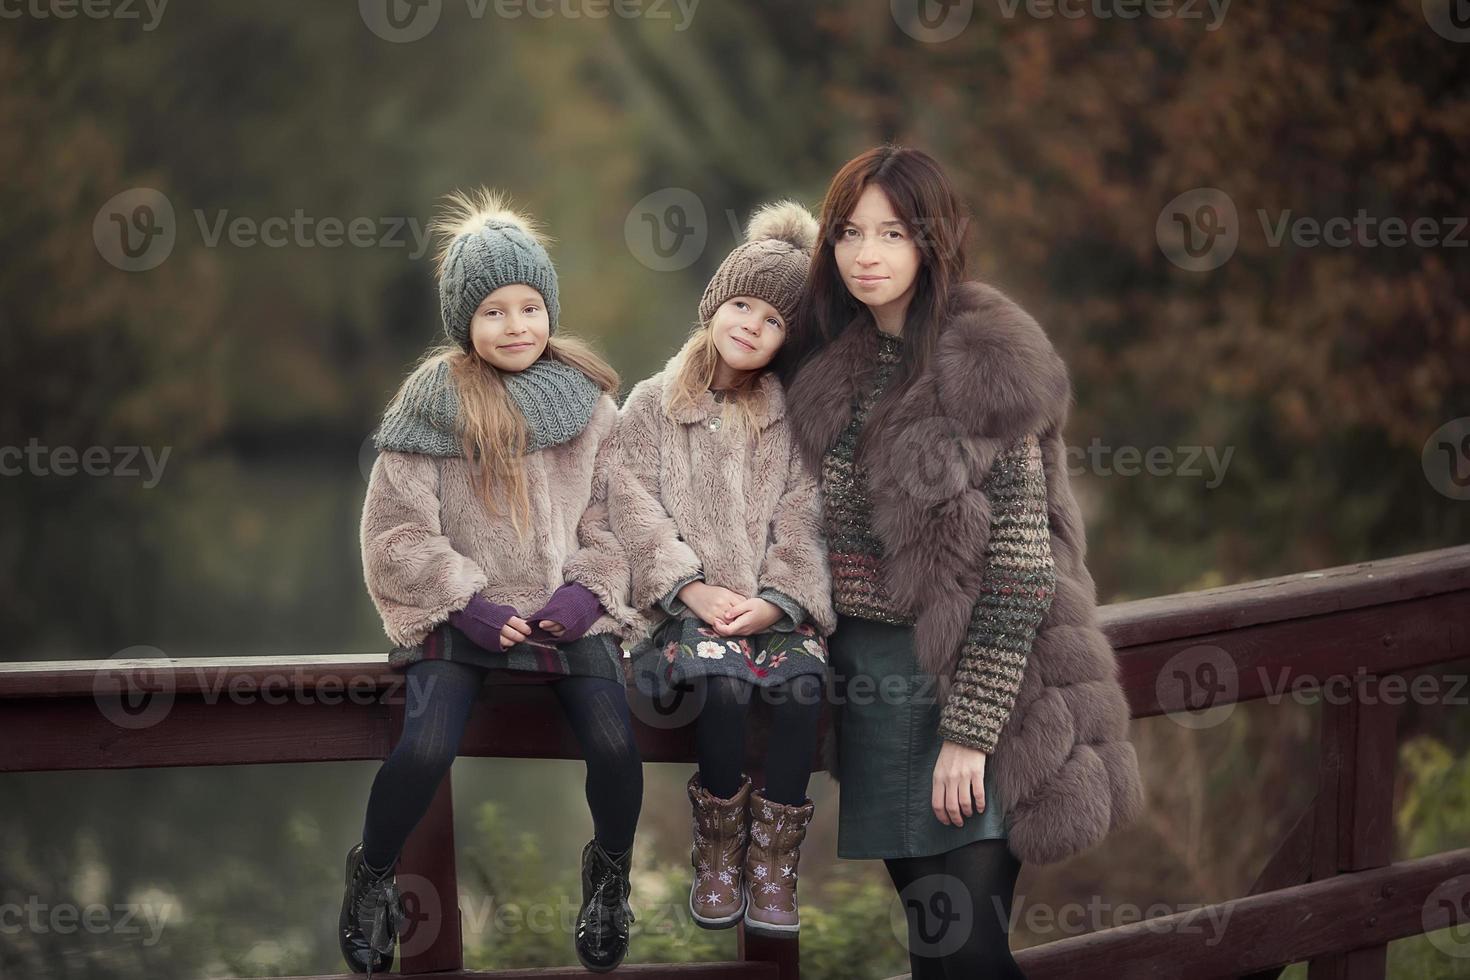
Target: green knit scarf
[{"x": 555, "y": 399}]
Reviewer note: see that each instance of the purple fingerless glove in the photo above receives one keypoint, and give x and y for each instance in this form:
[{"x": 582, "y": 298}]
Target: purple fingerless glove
[
  {"x": 574, "y": 606},
  {"x": 482, "y": 621}
]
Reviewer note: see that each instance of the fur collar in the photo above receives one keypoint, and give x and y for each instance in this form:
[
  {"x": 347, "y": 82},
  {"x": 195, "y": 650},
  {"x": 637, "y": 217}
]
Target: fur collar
[
  {"x": 769, "y": 405},
  {"x": 994, "y": 373}
]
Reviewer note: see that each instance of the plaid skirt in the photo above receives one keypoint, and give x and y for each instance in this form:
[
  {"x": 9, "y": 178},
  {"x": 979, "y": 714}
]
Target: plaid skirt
[
  {"x": 588, "y": 656},
  {"x": 684, "y": 648}
]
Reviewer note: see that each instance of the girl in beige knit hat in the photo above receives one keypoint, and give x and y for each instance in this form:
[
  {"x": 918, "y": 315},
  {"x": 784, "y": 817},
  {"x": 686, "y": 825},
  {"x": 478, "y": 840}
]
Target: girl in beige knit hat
[{"x": 719, "y": 517}]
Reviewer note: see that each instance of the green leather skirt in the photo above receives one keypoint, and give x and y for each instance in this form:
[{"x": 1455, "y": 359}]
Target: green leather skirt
[{"x": 887, "y": 729}]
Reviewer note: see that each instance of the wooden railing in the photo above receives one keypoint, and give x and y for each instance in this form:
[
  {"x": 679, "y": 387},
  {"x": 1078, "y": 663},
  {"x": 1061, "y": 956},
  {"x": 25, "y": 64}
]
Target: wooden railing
[{"x": 1329, "y": 894}]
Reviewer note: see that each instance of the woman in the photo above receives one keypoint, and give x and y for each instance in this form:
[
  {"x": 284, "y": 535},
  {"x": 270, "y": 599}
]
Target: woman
[{"x": 933, "y": 409}]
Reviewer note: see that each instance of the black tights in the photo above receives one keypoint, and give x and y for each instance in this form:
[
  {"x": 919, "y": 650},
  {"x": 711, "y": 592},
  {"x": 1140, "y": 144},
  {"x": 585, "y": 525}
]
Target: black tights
[
  {"x": 945, "y": 941},
  {"x": 796, "y": 708},
  {"x": 440, "y": 696}
]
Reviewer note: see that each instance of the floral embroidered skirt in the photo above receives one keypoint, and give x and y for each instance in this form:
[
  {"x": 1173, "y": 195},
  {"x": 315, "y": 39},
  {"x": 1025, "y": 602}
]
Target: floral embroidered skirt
[{"x": 682, "y": 649}]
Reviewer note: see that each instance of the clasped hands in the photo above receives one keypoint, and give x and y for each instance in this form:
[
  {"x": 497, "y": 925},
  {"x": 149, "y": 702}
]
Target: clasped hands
[
  {"x": 567, "y": 615},
  {"x": 729, "y": 613}
]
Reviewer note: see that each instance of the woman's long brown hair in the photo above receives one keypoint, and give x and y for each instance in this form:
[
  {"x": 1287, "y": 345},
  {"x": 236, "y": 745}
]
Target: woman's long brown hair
[{"x": 925, "y": 201}]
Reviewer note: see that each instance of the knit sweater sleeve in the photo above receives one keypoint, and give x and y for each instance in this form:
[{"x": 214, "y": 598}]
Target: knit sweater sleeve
[
  {"x": 415, "y": 576},
  {"x": 1019, "y": 585},
  {"x": 658, "y": 555}
]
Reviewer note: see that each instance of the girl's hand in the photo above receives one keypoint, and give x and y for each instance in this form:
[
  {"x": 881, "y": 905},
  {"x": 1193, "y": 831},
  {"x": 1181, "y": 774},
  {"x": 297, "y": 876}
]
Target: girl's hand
[
  {"x": 490, "y": 625},
  {"x": 513, "y": 632},
  {"x": 709, "y": 602},
  {"x": 568, "y": 614},
  {"x": 959, "y": 776},
  {"x": 748, "y": 617}
]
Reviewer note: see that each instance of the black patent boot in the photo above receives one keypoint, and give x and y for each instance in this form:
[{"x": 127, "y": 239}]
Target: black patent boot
[
  {"x": 602, "y": 924},
  {"x": 372, "y": 917}
]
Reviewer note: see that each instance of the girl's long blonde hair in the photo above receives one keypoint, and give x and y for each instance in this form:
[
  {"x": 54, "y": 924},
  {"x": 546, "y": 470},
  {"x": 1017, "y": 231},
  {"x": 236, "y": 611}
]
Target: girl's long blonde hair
[{"x": 493, "y": 433}]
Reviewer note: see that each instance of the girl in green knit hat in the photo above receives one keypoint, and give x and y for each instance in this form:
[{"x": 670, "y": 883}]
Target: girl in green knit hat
[{"x": 485, "y": 548}]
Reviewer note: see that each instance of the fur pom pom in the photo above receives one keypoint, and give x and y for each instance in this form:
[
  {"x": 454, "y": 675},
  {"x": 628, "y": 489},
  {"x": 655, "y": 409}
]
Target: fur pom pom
[
  {"x": 468, "y": 211},
  {"x": 787, "y": 221}
]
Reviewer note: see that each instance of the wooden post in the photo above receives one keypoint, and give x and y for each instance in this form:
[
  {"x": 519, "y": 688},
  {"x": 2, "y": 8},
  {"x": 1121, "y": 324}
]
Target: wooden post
[{"x": 1353, "y": 826}]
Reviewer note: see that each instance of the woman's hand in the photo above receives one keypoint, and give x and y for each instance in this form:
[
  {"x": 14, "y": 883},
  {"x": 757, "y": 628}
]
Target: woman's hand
[
  {"x": 959, "y": 775},
  {"x": 748, "y": 617},
  {"x": 710, "y": 603}
]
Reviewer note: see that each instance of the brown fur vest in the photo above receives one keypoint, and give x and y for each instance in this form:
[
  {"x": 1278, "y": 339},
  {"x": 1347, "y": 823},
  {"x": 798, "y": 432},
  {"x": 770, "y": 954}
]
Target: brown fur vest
[{"x": 1066, "y": 770}]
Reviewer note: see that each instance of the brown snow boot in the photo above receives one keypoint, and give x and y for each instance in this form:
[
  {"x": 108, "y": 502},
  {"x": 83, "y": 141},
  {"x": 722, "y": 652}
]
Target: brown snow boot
[
  {"x": 717, "y": 898},
  {"x": 776, "y": 833}
]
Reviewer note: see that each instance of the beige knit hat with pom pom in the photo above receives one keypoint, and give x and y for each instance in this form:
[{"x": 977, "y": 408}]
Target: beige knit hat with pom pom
[{"x": 771, "y": 264}]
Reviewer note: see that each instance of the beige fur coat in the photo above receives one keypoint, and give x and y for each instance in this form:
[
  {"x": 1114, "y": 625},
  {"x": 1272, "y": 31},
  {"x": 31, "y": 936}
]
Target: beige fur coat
[
  {"x": 689, "y": 493},
  {"x": 429, "y": 543}
]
